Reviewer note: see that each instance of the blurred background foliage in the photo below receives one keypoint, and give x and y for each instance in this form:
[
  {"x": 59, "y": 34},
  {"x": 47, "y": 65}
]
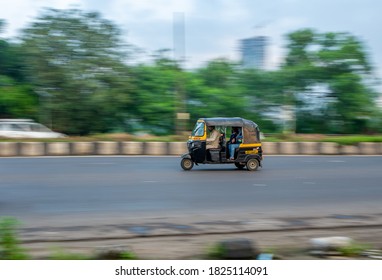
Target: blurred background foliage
[{"x": 72, "y": 71}]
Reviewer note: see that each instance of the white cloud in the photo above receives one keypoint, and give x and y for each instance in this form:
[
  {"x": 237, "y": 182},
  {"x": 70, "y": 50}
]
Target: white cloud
[
  {"x": 229, "y": 10},
  {"x": 16, "y": 15},
  {"x": 154, "y": 10},
  {"x": 19, "y": 13}
]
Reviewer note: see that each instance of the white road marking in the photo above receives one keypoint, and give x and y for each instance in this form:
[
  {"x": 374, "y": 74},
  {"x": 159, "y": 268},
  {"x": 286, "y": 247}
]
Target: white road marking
[
  {"x": 99, "y": 163},
  {"x": 260, "y": 185},
  {"x": 309, "y": 183}
]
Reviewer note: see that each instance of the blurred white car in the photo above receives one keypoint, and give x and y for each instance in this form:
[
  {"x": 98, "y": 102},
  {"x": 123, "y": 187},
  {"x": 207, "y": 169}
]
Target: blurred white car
[{"x": 26, "y": 128}]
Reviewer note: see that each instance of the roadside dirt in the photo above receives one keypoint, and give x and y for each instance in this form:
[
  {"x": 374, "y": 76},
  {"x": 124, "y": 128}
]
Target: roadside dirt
[
  {"x": 283, "y": 245},
  {"x": 176, "y": 238}
]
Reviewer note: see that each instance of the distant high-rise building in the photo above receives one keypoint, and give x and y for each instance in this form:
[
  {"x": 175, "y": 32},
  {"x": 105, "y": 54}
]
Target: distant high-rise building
[{"x": 253, "y": 52}]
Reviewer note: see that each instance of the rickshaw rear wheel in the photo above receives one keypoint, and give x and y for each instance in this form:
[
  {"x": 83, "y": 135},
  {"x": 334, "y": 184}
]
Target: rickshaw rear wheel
[
  {"x": 252, "y": 164},
  {"x": 186, "y": 164},
  {"x": 239, "y": 165}
]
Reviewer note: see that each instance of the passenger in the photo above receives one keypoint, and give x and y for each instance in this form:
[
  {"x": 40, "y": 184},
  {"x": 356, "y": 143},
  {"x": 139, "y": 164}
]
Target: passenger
[
  {"x": 234, "y": 142},
  {"x": 213, "y": 139}
]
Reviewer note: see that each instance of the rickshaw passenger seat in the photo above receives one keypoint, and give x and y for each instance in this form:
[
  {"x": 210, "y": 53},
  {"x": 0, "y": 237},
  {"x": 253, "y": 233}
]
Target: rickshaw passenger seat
[{"x": 213, "y": 154}]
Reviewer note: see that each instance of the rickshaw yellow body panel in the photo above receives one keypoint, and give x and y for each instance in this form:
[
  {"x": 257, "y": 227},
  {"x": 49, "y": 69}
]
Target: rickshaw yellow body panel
[{"x": 255, "y": 145}]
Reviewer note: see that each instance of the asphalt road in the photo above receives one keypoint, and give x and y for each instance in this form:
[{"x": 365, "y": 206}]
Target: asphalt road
[{"x": 80, "y": 188}]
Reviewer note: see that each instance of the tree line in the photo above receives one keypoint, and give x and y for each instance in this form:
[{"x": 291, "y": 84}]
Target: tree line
[{"x": 72, "y": 71}]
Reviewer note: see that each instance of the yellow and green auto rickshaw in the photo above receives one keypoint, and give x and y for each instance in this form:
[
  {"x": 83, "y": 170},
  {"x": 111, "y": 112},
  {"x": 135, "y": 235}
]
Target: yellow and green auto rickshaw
[{"x": 248, "y": 153}]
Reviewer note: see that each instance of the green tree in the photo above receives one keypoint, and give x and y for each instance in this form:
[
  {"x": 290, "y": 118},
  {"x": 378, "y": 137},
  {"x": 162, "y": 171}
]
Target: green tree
[
  {"x": 12, "y": 62},
  {"x": 156, "y": 95},
  {"x": 76, "y": 64},
  {"x": 328, "y": 79},
  {"x": 263, "y": 92},
  {"x": 214, "y": 91},
  {"x": 17, "y": 100}
]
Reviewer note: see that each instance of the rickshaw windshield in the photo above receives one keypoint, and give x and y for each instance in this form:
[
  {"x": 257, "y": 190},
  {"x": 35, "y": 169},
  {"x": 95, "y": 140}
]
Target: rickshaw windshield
[{"x": 198, "y": 129}]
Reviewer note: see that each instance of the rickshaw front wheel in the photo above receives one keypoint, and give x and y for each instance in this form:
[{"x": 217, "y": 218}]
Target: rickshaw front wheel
[
  {"x": 252, "y": 164},
  {"x": 187, "y": 164}
]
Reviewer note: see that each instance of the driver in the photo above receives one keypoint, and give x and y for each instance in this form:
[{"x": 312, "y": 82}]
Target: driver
[{"x": 213, "y": 140}]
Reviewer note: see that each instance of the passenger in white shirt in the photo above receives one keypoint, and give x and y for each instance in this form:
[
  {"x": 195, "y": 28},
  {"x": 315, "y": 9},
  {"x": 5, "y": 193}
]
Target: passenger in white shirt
[{"x": 213, "y": 139}]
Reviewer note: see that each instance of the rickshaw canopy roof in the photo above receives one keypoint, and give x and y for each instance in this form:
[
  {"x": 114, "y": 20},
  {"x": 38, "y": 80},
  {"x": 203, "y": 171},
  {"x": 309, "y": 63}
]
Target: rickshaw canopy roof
[
  {"x": 251, "y": 130},
  {"x": 236, "y": 121}
]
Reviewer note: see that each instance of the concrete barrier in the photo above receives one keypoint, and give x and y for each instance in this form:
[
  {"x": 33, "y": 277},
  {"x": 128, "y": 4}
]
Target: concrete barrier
[
  {"x": 288, "y": 148},
  {"x": 32, "y": 149},
  {"x": 329, "y": 148},
  {"x": 132, "y": 148},
  {"x": 270, "y": 148},
  {"x": 58, "y": 149},
  {"x": 309, "y": 148},
  {"x": 177, "y": 148},
  {"x": 83, "y": 148},
  {"x": 107, "y": 148},
  {"x": 9, "y": 149},
  {"x": 369, "y": 148},
  {"x": 349, "y": 150},
  {"x": 156, "y": 148}
]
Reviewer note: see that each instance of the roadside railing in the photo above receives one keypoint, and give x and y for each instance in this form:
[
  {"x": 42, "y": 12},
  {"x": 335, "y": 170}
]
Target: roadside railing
[{"x": 12, "y": 149}]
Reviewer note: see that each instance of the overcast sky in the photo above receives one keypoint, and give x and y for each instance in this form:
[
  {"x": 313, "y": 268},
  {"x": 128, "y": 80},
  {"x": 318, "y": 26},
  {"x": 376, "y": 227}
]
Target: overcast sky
[{"x": 213, "y": 27}]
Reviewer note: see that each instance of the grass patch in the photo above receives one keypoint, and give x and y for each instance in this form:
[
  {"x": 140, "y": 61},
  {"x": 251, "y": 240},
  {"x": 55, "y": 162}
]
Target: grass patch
[
  {"x": 353, "y": 250},
  {"x": 354, "y": 139},
  {"x": 216, "y": 252},
  {"x": 10, "y": 248},
  {"x": 60, "y": 254},
  {"x": 339, "y": 139}
]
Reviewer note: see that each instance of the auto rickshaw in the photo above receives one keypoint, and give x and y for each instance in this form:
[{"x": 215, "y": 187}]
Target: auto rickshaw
[{"x": 249, "y": 153}]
